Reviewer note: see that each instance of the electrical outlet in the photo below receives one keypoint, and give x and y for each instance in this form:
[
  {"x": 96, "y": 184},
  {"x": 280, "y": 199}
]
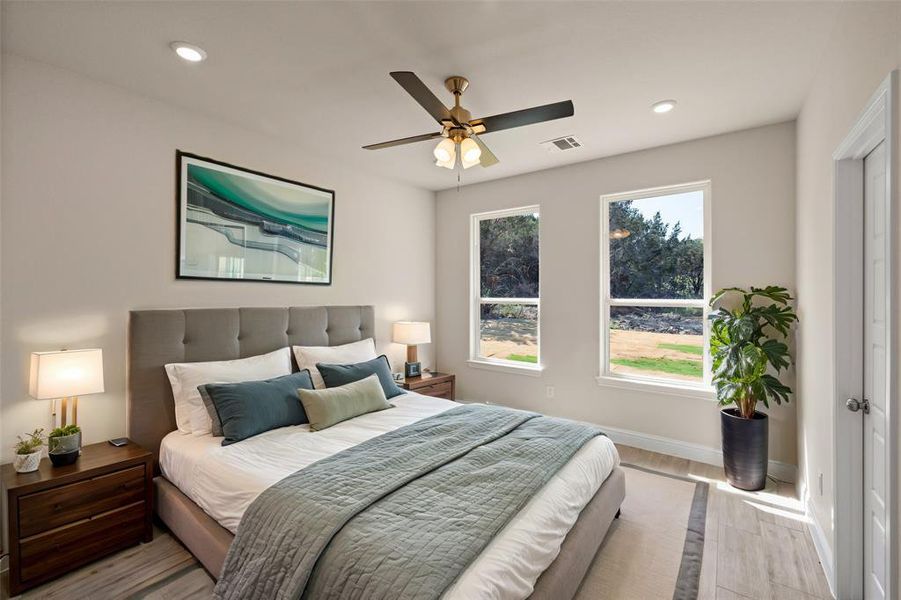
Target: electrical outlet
[{"x": 549, "y": 390}]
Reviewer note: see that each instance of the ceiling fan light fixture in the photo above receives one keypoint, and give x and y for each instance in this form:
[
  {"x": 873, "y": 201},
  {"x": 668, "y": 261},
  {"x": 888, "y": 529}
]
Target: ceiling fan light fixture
[
  {"x": 459, "y": 128},
  {"x": 469, "y": 163},
  {"x": 469, "y": 152},
  {"x": 450, "y": 162},
  {"x": 445, "y": 151}
]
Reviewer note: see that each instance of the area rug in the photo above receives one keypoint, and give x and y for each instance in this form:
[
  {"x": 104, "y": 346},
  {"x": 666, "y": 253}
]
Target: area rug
[{"x": 655, "y": 549}]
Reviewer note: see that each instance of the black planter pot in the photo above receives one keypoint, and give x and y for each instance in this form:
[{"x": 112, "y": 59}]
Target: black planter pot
[
  {"x": 61, "y": 459},
  {"x": 745, "y": 443}
]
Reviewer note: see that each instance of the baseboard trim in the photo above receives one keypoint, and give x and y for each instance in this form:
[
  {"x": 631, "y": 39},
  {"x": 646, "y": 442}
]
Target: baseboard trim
[
  {"x": 696, "y": 452},
  {"x": 821, "y": 545}
]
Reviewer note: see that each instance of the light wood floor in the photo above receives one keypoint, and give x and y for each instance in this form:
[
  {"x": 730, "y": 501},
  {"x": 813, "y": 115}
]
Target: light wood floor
[{"x": 757, "y": 546}]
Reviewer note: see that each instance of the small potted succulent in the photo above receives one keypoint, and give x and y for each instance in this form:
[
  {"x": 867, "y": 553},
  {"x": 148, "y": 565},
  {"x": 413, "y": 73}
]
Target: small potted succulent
[
  {"x": 64, "y": 444},
  {"x": 749, "y": 353},
  {"x": 28, "y": 451}
]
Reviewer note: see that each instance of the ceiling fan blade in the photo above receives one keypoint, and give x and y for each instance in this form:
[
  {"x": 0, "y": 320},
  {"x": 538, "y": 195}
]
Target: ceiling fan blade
[
  {"x": 527, "y": 116},
  {"x": 487, "y": 158},
  {"x": 407, "y": 140},
  {"x": 422, "y": 94}
]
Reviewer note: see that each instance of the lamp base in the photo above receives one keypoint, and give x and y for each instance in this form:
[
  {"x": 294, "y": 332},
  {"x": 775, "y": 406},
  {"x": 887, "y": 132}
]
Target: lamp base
[
  {"x": 412, "y": 369},
  {"x": 64, "y": 410}
]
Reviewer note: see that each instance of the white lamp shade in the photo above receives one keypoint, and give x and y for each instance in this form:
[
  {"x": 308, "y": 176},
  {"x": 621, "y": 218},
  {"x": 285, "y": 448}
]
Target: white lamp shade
[
  {"x": 412, "y": 333},
  {"x": 66, "y": 373},
  {"x": 444, "y": 150},
  {"x": 469, "y": 153}
]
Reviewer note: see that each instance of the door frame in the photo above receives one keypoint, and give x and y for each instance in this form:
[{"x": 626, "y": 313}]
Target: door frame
[{"x": 876, "y": 124}]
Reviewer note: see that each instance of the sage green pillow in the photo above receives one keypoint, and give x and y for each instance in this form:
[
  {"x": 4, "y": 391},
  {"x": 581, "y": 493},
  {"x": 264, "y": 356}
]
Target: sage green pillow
[{"x": 330, "y": 406}]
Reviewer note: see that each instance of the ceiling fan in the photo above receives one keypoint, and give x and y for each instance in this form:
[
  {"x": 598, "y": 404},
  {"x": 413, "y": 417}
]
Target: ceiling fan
[{"x": 458, "y": 128}]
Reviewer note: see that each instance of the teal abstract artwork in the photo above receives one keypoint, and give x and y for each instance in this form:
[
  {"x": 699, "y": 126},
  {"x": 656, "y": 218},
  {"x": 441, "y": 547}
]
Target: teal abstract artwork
[{"x": 240, "y": 224}]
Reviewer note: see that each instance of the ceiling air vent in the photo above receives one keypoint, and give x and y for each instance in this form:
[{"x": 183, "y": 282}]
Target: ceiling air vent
[{"x": 568, "y": 142}]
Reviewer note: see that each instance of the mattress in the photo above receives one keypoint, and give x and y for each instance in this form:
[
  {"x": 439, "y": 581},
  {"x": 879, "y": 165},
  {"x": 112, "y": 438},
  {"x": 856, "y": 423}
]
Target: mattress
[{"x": 224, "y": 480}]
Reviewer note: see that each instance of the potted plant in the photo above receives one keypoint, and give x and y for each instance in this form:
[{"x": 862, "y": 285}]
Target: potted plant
[
  {"x": 64, "y": 444},
  {"x": 28, "y": 451},
  {"x": 748, "y": 352}
]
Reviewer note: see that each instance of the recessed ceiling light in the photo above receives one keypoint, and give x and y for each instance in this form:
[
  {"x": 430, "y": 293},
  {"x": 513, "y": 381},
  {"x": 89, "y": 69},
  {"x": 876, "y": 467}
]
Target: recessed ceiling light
[
  {"x": 188, "y": 52},
  {"x": 664, "y": 106}
]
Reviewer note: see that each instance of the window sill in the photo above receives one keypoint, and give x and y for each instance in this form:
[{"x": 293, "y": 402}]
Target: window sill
[
  {"x": 489, "y": 365},
  {"x": 684, "y": 391}
]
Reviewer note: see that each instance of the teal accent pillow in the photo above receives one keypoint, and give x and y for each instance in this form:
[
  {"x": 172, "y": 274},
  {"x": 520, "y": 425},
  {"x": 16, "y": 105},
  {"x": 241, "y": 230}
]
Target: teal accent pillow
[
  {"x": 335, "y": 404},
  {"x": 243, "y": 410},
  {"x": 336, "y": 375}
]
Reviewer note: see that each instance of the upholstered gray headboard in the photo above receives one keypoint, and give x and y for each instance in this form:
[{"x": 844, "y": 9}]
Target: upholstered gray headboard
[{"x": 160, "y": 337}]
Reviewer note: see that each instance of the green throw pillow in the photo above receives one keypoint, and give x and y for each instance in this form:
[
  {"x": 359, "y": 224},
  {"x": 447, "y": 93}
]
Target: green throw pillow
[{"x": 330, "y": 406}]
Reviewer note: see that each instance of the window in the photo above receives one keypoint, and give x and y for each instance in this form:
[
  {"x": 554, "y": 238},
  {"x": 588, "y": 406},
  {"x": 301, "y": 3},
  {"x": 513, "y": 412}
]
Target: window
[
  {"x": 655, "y": 284},
  {"x": 505, "y": 298}
]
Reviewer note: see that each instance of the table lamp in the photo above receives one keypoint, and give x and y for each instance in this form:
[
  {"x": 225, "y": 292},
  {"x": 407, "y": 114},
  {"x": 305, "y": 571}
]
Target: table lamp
[
  {"x": 412, "y": 333},
  {"x": 66, "y": 374}
]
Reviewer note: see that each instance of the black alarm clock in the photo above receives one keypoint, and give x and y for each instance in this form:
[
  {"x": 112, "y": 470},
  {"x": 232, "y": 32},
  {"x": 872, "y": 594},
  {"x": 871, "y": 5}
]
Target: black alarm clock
[{"x": 412, "y": 369}]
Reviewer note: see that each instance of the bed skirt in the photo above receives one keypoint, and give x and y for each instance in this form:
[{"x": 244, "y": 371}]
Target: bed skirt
[{"x": 209, "y": 542}]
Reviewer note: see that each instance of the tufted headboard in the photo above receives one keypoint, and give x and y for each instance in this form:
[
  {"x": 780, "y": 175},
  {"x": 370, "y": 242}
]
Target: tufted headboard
[{"x": 159, "y": 337}]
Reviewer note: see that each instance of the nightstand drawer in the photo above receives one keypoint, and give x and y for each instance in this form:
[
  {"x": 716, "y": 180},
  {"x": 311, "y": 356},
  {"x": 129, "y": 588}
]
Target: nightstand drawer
[
  {"x": 70, "y": 546},
  {"x": 69, "y": 503},
  {"x": 440, "y": 390}
]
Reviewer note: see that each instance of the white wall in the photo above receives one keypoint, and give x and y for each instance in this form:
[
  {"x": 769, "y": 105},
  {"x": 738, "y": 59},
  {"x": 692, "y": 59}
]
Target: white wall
[
  {"x": 88, "y": 231},
  {"x": 753, "y": 185},
  {"x": 863, "y": 49}
]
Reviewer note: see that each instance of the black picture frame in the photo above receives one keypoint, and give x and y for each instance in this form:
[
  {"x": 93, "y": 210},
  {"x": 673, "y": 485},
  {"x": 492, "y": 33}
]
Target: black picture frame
[{"x": 180, "y": 218}]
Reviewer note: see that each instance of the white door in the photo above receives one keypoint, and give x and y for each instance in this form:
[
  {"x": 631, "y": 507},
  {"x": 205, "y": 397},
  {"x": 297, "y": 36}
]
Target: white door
[{"x": 875, "y": 422}]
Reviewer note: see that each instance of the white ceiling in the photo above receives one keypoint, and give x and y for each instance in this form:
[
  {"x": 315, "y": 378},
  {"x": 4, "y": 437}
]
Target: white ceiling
[{"x": 317, "y": 73}]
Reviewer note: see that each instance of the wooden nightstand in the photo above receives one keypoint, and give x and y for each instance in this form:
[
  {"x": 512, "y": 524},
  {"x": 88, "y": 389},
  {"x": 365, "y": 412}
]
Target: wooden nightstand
[
  {"x": 60, "y": 518},
  {"x": 440, "y": 385}
]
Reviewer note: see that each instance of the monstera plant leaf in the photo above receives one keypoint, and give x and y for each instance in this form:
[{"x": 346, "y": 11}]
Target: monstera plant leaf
[
  {"x": 743, "y": 329},
  {"x": 750, "y": 364}
]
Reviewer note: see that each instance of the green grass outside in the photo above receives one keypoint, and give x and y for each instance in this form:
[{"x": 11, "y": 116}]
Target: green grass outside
[
  {"x": 529, "y": 358},
  {"x": 691, "y": 368},
  {"x": 686, "y": 348}
]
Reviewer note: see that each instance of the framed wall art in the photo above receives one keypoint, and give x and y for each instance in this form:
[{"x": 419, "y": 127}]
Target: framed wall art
[{"x": 238, "y": 224}]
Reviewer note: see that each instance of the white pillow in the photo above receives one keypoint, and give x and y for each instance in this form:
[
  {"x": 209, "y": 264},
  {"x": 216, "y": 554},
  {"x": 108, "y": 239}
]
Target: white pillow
[
  {"x": 190, "y": 413},
  {"x": 308, "y": 356}
]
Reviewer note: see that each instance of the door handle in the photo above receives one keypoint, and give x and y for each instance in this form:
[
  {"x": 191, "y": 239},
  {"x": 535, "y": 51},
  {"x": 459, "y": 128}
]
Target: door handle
[{"x": 855, "y": 405}]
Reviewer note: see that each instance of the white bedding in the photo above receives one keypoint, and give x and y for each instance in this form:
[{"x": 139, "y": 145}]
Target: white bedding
[{"x": 224, "y": 480}]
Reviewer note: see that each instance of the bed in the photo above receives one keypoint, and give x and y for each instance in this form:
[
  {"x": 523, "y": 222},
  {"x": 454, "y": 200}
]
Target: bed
[{"x": 202, "y": 489}]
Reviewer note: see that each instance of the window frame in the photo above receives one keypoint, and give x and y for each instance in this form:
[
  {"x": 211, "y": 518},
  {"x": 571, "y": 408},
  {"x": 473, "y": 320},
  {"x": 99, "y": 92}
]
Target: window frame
[
  {"x": 476, "y": 300},
  {"x": 605, "y": 376}
]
